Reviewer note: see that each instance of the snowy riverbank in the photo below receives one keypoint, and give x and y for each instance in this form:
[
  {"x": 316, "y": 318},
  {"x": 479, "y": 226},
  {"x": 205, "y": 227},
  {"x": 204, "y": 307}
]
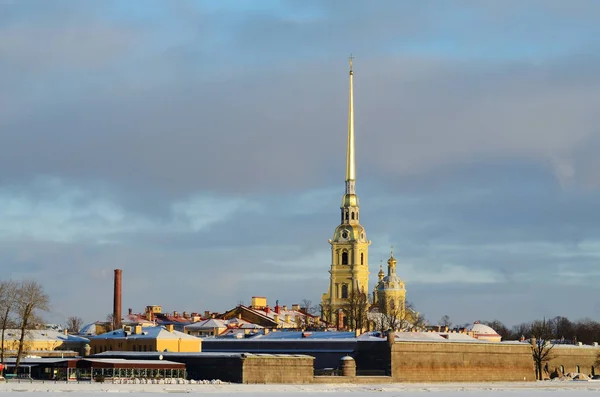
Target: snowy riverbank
[{"x": 405, "y": 390}]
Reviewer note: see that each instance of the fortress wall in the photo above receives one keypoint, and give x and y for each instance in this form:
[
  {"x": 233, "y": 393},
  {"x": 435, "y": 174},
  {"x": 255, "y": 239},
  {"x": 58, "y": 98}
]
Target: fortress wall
[
  {"x": 569, "y": 357},
  {"x": 278, "y": 369},
  {"x": 461, "y": 362}
]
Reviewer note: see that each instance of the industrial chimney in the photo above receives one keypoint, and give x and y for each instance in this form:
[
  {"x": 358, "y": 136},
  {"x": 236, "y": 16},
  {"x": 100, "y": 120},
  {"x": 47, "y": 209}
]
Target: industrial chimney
[{"x": 117, "y": 300}]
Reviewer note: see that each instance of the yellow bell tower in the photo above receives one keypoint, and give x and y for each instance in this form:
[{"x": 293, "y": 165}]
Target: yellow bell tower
[{"x": 349, "y": 273}]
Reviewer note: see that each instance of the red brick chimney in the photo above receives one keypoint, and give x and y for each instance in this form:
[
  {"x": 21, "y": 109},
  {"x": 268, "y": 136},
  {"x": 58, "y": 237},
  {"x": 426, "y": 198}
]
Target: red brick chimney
[{"x": 117, "y": 299}]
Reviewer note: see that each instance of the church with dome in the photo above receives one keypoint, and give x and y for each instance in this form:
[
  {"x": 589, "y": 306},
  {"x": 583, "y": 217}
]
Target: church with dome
[
  {"x": 349, "y": 271},
  {"x": 390, "y": 294}
]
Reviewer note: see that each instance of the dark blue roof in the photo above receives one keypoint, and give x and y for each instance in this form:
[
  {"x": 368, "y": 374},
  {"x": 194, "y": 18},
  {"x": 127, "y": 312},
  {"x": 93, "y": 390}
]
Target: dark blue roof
[{"x": 308, "y": 335}]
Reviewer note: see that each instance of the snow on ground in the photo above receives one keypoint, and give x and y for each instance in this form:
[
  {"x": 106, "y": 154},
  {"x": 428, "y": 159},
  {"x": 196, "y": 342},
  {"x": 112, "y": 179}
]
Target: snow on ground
[{"x": 536, "y": 389}]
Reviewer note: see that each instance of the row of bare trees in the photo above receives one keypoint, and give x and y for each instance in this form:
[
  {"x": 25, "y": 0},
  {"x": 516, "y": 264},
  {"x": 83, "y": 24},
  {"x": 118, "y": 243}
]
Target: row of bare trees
[
  {"x": 560, "y": 329},
  {"x": 386, "y": 316},
  {"x": 21, "y": 304}
]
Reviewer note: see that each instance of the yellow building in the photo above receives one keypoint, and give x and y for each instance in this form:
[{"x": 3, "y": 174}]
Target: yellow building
[
  {"x": 146, "y": 339},
  {"x": 349, "y": 273},
  {"x": 41, "y": 342}
]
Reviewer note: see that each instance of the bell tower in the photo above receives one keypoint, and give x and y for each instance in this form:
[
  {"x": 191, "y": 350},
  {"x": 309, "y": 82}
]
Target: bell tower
[{"x": 349, "y": 272}]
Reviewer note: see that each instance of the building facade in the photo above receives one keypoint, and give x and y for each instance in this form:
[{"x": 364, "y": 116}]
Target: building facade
[
  {"x": 390, "y": 292},
  {"x": 43, "y": 342},
  {"x": 146, "y": 339},
  {"x": 349, "y": 272}
]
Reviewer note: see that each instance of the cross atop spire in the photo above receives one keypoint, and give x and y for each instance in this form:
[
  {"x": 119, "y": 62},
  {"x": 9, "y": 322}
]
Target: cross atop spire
[{"x": 351, "y": 58}]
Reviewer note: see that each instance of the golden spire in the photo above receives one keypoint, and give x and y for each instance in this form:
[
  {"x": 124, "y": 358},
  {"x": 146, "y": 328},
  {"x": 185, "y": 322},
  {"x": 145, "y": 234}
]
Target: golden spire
[{"x": 350, "y": 161}]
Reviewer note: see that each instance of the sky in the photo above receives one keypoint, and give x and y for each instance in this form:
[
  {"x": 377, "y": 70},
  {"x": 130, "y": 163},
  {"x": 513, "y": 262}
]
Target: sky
[{"x": 200, "y": 147}]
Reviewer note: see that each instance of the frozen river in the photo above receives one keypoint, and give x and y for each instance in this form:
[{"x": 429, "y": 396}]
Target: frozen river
[{"x": 553, "y": 389}]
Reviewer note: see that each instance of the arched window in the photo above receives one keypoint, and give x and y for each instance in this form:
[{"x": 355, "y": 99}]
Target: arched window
[
  {"x": 562, "y": 369},
  {"x": 344, "y": 258},
  {"x": 362, "y": 258},
  {"x": 578, "y": 369},
  {"x": 352, "y": 215},
  {"x": 346, "y": 215},
  {"x": 344, "y": 291}
]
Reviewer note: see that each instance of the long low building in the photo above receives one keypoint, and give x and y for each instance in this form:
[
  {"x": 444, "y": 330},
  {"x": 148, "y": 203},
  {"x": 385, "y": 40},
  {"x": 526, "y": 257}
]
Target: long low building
[
  {"x": 93, "y": 368},
  {"x": 234, "y": 367}
]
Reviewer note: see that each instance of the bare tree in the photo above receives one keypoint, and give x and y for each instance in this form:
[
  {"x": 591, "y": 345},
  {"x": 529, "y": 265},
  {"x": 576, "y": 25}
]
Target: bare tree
[
  {"x": 445, "y": 321},
  {"x": 521, "y": 330},
  {"x": 391, "y": 315},
  {"x": 111, "y": 324},
  {"x": 31, "y": 299},
  {"x": 356, "y": 309},
  {"x": 562, "y": 328},
  {"x": 74, "y": 324},
  {"x": 8, "y": 299},
  {"x": 308, "y": 307},
  {"x": 305, "y": 304},
  {"x": 417, "y": 322},
  {"x": 326, "y": 312},
  {"x": 541, "y": 345},
  {"x": 500, "y": 328}
]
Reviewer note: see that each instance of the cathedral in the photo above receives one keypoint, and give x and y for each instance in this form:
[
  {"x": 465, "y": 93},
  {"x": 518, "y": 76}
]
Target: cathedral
[{"x": 349, "y": 272}]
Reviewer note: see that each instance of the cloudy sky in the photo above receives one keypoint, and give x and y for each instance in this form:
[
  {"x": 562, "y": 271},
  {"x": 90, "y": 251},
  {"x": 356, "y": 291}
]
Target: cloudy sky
[{"x": 199, "y": 146}]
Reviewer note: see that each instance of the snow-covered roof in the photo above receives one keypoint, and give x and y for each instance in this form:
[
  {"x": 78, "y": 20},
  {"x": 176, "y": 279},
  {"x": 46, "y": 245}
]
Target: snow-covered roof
[
  {"x": 150, "y": 355},
  {"x": 39, "y": 335},
  {"x": 211, "y": 323},
  {"x": 436, "y": 337},
  {"x": 307, "y": 335},
  {"x": 129, "y": 361},
  {"x": 293, "y": 315},
  {"x": 88, "y": 329},
  {"x": 158, "y": 332}
]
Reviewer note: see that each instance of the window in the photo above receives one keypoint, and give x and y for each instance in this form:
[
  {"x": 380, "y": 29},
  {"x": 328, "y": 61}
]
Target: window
[
  {"x": 345, "y": 291},
  {"x": 562, "y": 369},
  {"x": 352, "y": 215},
  {"x": 344, "y": 258},
  {"x": 346, "y": 215},
  {"x": 362, "y": 258},
  {"x": 578, "y": 369}
]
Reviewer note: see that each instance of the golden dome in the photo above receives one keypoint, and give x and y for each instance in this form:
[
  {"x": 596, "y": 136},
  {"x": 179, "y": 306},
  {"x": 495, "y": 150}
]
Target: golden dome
[
  {"x": 346, "y": 232},
  {"x": 392, "y": 261}
]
